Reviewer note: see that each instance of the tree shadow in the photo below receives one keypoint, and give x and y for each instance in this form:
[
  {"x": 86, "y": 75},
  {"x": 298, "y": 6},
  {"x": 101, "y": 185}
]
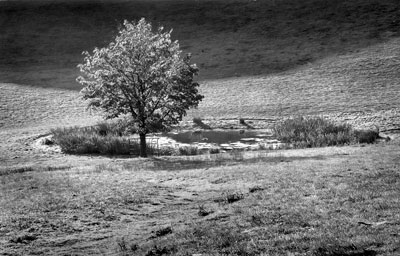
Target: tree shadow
[{"x": 227, "y": 159}]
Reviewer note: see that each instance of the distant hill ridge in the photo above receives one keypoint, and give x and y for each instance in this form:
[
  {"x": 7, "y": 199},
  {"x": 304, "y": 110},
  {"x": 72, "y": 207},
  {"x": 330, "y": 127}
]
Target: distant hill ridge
[{"x": 41, "y": 41}]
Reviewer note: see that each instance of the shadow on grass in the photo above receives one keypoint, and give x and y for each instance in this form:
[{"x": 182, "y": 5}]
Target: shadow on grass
[
  {"x": 349, "y": 250},
  {"x": 24, "y": 169},
  {"x": 208, "y": 161},
  {"x": 274, "y": 35}
]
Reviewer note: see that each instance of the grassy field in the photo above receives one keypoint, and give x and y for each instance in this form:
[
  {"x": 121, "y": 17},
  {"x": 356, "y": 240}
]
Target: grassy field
[
  {"x": 298, "y": 202},
  {"x": 360, "y": 88},
  {"x": 336, "y": 58},
  {"x": 261, "y": 61}
]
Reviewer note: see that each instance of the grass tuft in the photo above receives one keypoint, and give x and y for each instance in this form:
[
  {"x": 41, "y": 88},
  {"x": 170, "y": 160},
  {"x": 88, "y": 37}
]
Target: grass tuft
[
  {"x": 124, "y": 248},
  {"x": 159, "y": 251},
  {"x": 229, "y": 198},
  {"x": 234, "y": 197},
  {"x": 203, "y": 211},
  {"x": 307, "y": 132},
  {"x": 77, "y": 140},
  {"x": 255, "y": 189},
  {"x": 95, "y": 140},
  {"x": 188, "y": 151},
  {"x": 163, "y": 231},
  {"x": 366, "y": 136},
  {"x": 215, "y": 150}
]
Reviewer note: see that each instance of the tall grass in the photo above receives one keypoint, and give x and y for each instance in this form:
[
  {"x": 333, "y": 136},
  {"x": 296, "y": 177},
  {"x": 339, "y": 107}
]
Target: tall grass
[
  {"x": 112, "y": 138},
  {"x": 188, "y": 151},
  {"x": 77, "y": 140},
  {"x": 120, "y": 127},
  {"x": 305, "y": 132},
  {"x": 104, "y": 138}
]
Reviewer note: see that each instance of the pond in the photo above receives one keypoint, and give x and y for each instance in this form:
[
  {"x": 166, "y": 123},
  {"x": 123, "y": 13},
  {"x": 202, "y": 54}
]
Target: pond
[{"x": 218, "y": 136}]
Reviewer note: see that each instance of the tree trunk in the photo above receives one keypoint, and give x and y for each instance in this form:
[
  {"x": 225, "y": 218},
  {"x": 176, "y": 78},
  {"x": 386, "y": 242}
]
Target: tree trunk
[{"x": 143, "y": 146}]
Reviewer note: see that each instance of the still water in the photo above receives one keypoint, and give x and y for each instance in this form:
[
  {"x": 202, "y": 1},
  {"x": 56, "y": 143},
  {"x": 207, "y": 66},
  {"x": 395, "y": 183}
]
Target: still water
[{"x": 215, "y": 136}]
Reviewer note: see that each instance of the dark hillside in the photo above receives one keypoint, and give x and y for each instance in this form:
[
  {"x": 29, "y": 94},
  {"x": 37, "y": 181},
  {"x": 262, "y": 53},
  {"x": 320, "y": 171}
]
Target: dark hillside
[{"x": 41, "y": 42}]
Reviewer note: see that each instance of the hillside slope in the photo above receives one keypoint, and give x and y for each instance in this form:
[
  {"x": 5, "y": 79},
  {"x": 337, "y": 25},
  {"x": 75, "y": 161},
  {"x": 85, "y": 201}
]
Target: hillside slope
[
  {"x": 41, "y": 41},
  {"x": 362, "y": 88},
  {"x": 366, "y": 82},
  {"x": 351, "y": 72}
]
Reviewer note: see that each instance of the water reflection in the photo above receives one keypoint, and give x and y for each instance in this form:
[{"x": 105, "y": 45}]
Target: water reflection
[{"x": 217, "y": 137}]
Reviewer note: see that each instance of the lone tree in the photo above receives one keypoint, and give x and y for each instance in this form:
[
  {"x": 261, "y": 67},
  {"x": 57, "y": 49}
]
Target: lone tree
[{"x": 140, "y": 74}]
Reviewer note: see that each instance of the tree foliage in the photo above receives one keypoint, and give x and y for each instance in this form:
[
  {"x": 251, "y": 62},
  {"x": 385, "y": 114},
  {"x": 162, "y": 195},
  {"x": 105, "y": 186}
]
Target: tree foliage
[{"x": 141, "y": 74}]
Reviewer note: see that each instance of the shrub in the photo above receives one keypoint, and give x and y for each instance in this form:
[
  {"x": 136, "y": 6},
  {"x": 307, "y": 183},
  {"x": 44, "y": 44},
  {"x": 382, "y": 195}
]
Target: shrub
[
  {"x": 120, "y": 127},
  {"x": 366, "y": 136},
  {"x": 90, "y": 140},
  {"x": 215, "y": 150},
  {"x": 100, "y": 139},
  {"x": 304, "y": 132},
  {"x": 112, "y": 145},
  {"x": 167, "y": 151},
  {"x": 188, "y": 151}
]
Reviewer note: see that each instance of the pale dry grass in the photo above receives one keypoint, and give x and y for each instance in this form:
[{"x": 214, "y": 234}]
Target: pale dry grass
[
  {"x": 28, "y": 112},
  {"x": 25, "y": 106},
  {"x": 347, "y": 87},
  {"x": 359, "y": 88},
  {"x": 308, "y": 64}
]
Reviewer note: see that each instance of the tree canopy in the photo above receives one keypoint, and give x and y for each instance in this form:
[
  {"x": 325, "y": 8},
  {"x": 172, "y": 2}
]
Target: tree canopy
[{"x": 141, "y": 74}]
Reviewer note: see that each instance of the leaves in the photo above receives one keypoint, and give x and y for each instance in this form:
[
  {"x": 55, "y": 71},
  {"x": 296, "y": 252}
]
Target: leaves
[{"x": 140, "y": 73}]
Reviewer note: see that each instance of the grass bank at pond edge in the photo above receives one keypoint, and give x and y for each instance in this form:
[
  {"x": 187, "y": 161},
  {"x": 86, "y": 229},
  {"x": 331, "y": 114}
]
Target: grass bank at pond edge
[{"x": 113, "y": 139}]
